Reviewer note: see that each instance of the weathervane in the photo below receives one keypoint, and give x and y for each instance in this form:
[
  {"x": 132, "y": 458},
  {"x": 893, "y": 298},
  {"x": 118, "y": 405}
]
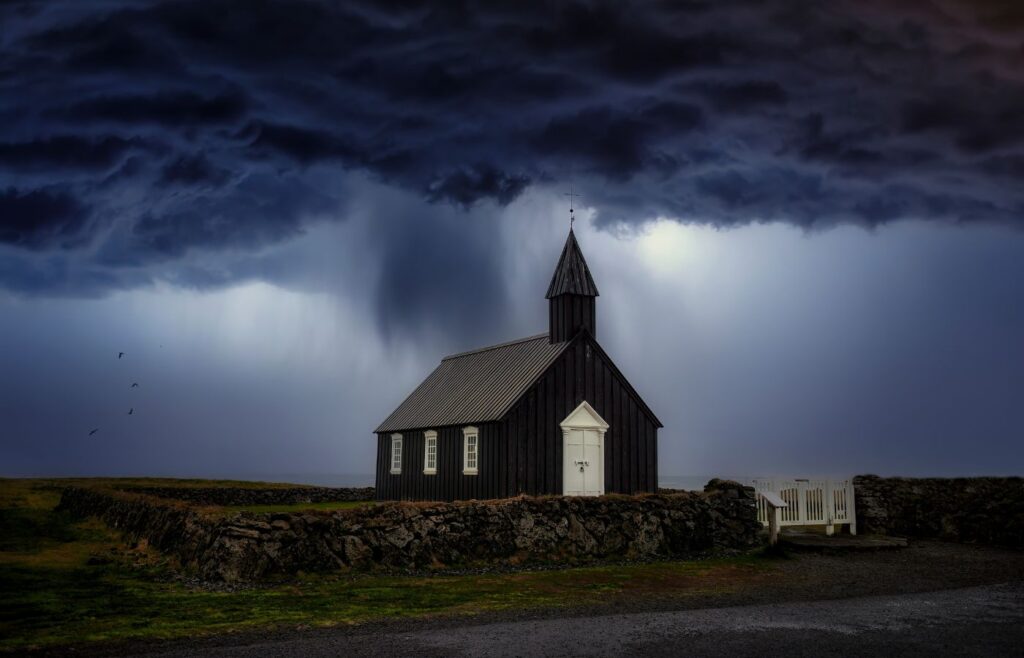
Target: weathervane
[{"x": 572, "y": 217}]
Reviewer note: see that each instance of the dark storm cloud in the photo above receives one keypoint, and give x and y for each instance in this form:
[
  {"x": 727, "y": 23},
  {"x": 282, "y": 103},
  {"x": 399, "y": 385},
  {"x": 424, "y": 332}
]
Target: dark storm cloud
[
  {"x": 39, "y": 218},
  {"x": 65, "y": 152},
  {"x": 303, "y": 145},
  {"x": 193, "y": 170},
  {"x": 855, "y": 153},
  {"x": 624, "y": 42},
  {"x": 169, "y": 109},
  {"x": 465, "y": 186},
  {"x": 742, "y": 96},
  {"x": 117, "y": 51},
  {"x": 189, "y": 127},
  {"x": 616, "y": 144},
  {"x": 1009, "y": 166},
  {"x": 767, "y": 194},
  {"x": 976, "y": 127},
  {"x": 259, "y": 210}
]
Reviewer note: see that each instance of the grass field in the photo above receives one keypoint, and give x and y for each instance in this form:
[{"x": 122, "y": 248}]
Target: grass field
[{"x": 75, "y": 583}]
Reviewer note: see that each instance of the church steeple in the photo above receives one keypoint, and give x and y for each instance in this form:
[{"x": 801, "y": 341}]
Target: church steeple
[{"x": 571, "y": 295}]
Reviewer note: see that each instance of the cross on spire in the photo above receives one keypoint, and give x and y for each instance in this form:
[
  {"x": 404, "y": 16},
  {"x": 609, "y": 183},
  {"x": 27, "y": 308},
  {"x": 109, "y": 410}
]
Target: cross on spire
[{"x": 570, "y": 194}]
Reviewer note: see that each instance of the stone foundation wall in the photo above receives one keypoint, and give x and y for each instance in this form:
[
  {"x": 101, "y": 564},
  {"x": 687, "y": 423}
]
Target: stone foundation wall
[
  {"x": 974, "y": 510},
  {"x": 234, "y": 496},
  {"x": 520, "y": 530}
]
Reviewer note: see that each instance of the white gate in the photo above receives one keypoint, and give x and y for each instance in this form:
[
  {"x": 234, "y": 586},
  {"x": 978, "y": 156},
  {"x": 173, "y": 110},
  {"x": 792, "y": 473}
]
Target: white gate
[{"x": 809, "y": 502}]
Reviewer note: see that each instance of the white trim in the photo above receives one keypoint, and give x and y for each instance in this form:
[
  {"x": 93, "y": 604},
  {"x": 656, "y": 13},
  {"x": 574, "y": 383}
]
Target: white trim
[
  {"x": 584, "y": 416},
  {"x": 576, "y": 427},
  {"x": 467, "y": 434},
  {"x": 428, "y": 436},
  {"x": 396, "y": 442}
]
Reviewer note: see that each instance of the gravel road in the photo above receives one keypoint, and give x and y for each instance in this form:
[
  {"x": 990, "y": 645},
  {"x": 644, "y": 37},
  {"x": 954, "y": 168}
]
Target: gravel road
[
  {"x": 976, "y": 621},
  {"x": 933, "y": 598}
]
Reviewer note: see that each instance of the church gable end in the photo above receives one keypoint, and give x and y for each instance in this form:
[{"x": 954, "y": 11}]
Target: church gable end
[{"x": 583, "y": 373}]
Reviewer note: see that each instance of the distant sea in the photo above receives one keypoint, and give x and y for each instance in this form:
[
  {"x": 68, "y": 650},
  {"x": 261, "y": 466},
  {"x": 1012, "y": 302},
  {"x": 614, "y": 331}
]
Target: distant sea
[{"x": 687, "y": 482}]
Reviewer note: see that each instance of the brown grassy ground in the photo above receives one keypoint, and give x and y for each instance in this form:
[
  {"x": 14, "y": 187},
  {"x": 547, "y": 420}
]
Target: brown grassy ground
[{"x": 75, "y": 583}]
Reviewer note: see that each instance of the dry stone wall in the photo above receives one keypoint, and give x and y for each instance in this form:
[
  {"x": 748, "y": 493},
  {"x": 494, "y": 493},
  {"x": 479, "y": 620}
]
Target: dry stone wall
[
  {"x": 975, "y": 510},
  {"x": 234, "y": 496},
  {"x": 434, "y": 535}
]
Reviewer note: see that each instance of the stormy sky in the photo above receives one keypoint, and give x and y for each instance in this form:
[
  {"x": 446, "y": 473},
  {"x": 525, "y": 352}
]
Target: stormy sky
[{"x": 806, "y": 220}]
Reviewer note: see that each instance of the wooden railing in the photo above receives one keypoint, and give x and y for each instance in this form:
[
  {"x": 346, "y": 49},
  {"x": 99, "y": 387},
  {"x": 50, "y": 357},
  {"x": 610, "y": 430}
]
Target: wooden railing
[{"x": 809, "y": 502}]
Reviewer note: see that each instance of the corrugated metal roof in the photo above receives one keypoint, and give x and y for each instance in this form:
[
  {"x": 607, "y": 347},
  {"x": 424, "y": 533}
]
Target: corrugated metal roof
[
  {"x": 572, "y": 276},
  {"x": 475, "y": 387}
]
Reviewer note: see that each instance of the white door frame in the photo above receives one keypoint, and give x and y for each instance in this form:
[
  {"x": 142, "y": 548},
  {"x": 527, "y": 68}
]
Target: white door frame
[{"x": 584, "y": 418}]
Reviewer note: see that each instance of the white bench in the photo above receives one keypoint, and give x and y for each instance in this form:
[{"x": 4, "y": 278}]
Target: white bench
[{"x": 808, "y": 502}]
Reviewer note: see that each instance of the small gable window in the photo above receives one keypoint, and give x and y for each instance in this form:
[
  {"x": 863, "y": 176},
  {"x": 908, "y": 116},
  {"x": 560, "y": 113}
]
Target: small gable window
[
  {"x": 429, "y": 452},
  {"x": 396, "y": 454},
  {"x": 470, "y": 450}
]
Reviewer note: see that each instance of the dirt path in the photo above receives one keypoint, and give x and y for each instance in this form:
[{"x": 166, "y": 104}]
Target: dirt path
[{"x": 799, "y": 604}]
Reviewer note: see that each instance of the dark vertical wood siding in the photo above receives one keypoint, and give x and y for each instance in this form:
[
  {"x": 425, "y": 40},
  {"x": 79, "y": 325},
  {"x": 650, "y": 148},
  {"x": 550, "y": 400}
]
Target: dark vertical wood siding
[
  {"x": 630, "y": 444},
  {"x": 493, "y": 479},
  {"x": 522, "y": 453},
  {"x": 568, "y": 314}
]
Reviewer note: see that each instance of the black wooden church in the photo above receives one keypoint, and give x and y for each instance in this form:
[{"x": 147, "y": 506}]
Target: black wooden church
[{"x": 549, "y": 414}]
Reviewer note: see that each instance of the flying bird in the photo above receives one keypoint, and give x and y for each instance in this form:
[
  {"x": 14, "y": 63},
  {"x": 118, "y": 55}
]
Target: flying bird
[
  {"x": 135, "y": 385},
  {"x": 91, "y": 432},
  {"x": 120, "y": 354},
  {"x": 131, "y": 411}
]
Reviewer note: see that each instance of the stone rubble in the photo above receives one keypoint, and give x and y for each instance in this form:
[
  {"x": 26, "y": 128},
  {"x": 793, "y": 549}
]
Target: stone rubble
[
  {"x": 402, "y": 535},
  {"x": 237, "y": 496},
  {"x": 982, "y": 510}
]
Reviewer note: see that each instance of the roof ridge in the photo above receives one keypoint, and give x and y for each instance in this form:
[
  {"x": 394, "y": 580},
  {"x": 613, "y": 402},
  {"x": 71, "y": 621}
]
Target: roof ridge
[{"x": 494, "y": 347}]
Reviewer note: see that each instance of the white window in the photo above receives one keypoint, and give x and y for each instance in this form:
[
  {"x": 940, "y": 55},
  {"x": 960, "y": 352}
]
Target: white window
[
  {"x": 429, "y": 452},
  {"x": 396, "y": 453},
  {"x": 470, "y": 450}
]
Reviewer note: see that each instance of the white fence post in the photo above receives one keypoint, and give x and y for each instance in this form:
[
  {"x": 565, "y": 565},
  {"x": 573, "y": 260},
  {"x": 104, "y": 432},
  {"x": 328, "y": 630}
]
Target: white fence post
[
  {"x": 851, "y": 509},
  {"x": 830, "y": 508}
]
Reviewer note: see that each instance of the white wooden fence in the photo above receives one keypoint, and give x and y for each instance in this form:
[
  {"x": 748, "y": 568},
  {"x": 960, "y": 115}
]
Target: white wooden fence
[{"x": 809, "y": 502}]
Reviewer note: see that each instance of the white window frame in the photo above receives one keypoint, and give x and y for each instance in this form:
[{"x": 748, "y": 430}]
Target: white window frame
[
  {"x": 396, "y": 442},
  {"x": 467, "y": 433},
  {"x": 430, "y": 436}
]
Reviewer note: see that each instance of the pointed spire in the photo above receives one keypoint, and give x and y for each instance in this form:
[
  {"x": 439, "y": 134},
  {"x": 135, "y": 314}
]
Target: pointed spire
[{"x": 572, "y": 276}]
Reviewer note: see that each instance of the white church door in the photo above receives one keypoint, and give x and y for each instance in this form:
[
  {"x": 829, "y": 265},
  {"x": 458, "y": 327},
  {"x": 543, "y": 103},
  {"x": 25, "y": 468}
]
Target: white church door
[{"x": 583, "y": 452}]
